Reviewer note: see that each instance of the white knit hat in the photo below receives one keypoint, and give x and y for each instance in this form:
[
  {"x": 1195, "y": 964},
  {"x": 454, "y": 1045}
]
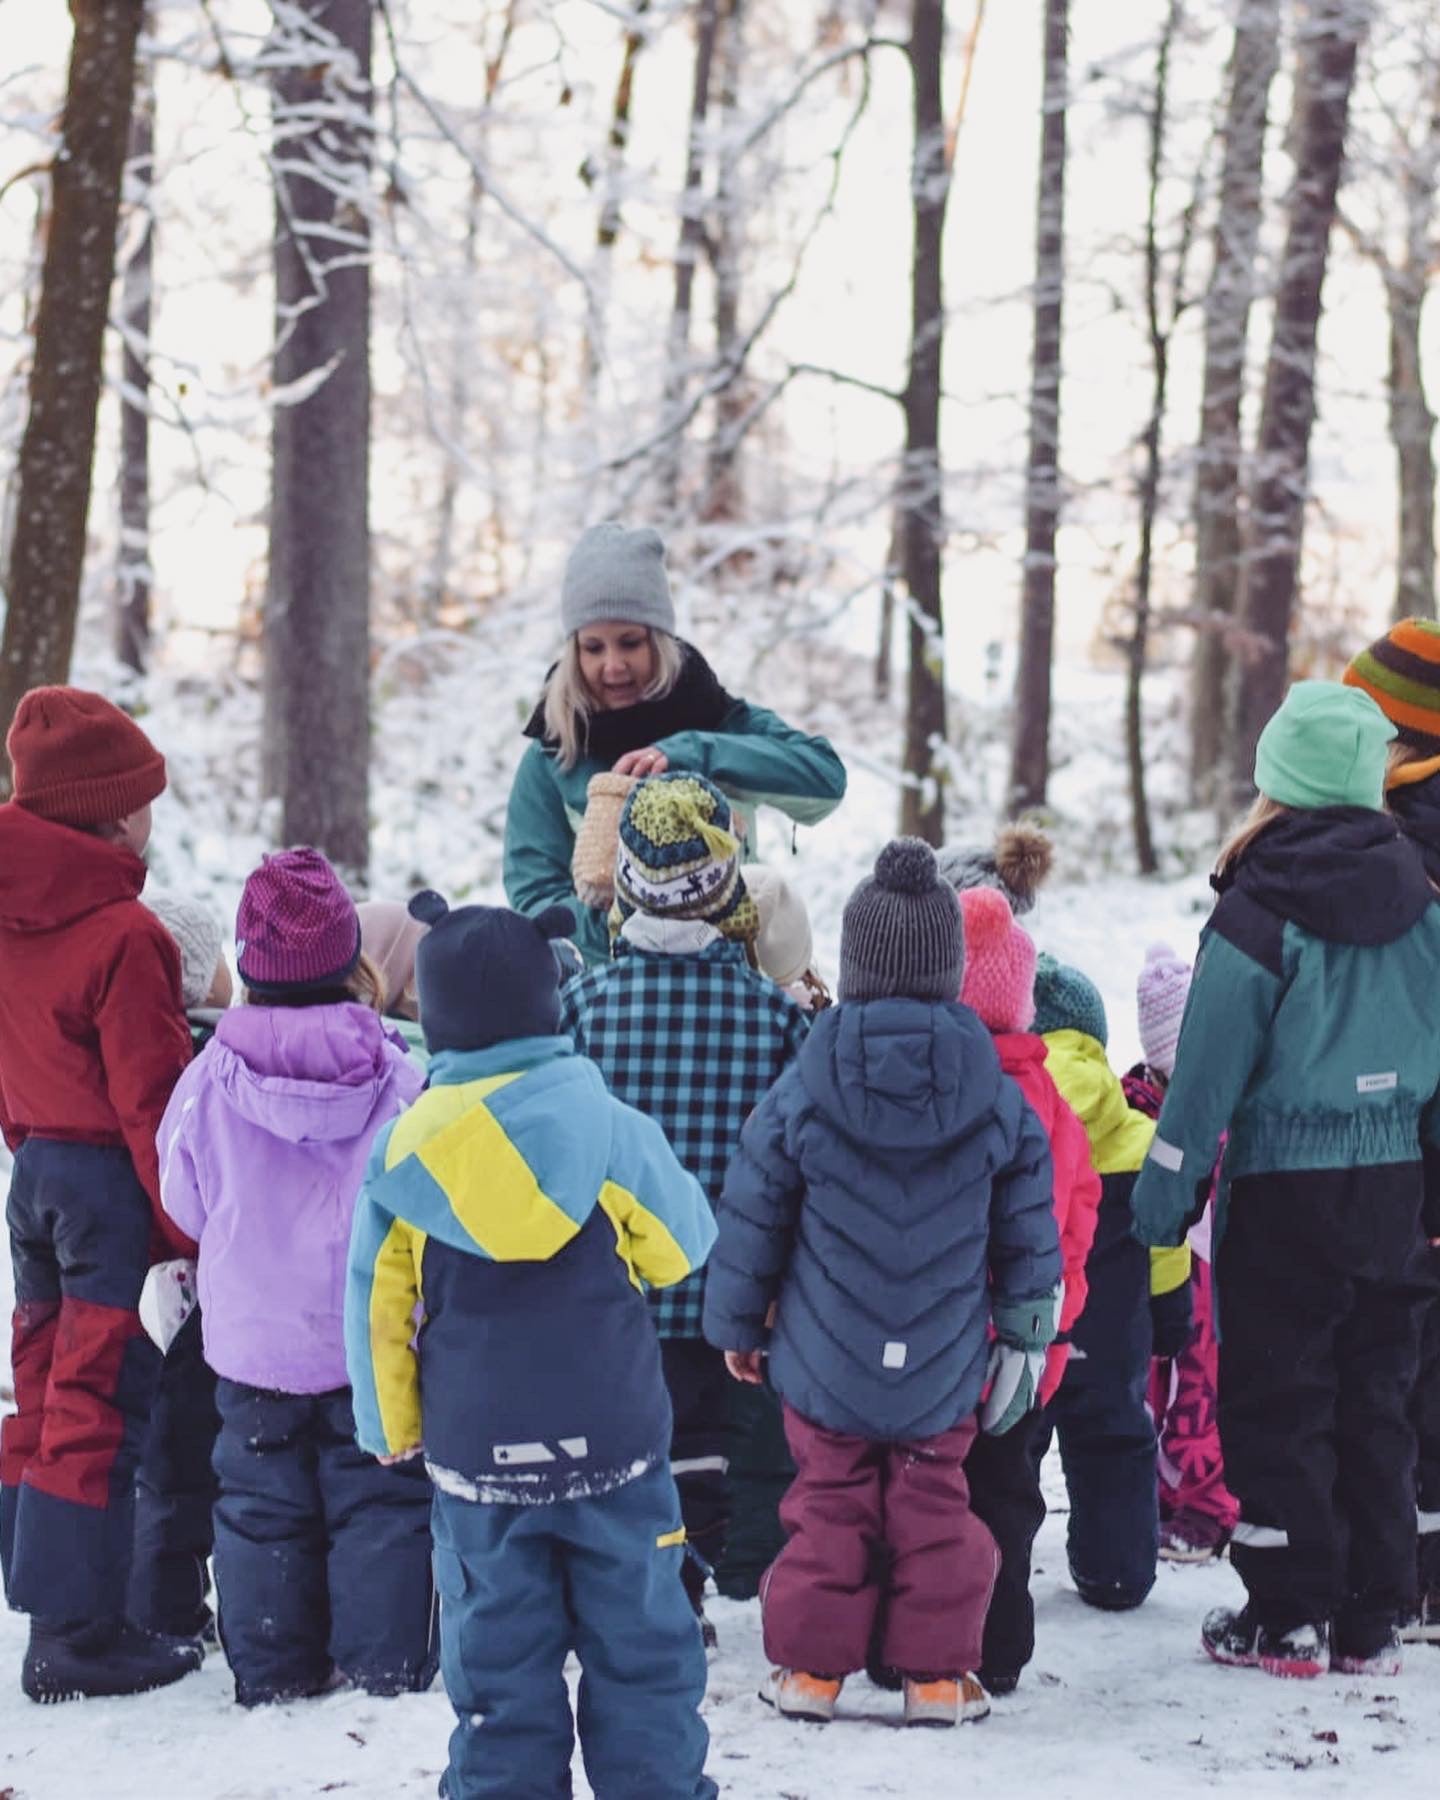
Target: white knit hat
[
  {"x": 784, "y": 949},
  {"x": 196, "y": 931},
  {"x": 1161, "y": 992}
]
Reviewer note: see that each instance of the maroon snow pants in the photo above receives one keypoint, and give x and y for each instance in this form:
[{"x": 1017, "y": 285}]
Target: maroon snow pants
[{"x": 871, "y": 1525}]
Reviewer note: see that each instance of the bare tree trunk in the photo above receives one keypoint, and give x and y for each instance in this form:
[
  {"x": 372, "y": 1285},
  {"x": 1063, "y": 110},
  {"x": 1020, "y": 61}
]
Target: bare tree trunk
[
  {"x": 1412, "y": 427},
  {"x": 687, "y": 255},
  {"x": 132, "y": 573},
  {"x": 317, "y": 616},
  {"x": 1159, "y": 331},
  {"x": 885, "y": 643},
  {"x": 724, "y": 496},
  {"x": 47, "y": 552},
  {"x": 1277, "y": 508},
  {"x": 1030, "y": 754},
  {"x": 607, "y": 232},
  {"x": 1253, "y": 62},
  {"x": 922, "y": 523},
  {"x": 442, "y": 554}
]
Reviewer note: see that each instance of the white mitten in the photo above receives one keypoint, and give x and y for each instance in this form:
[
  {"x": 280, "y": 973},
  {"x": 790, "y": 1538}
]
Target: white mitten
[{"x": 167, "y": 1300}]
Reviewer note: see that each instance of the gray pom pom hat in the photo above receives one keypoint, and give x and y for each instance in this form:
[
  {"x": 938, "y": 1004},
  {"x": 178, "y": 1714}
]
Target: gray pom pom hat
[{"x": 902, "y": 935}]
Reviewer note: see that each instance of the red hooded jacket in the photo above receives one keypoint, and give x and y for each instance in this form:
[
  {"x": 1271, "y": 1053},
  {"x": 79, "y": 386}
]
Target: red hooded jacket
[
  {"x": 1077, "y": 1186},
  {"x": 92, "y": 1028}
]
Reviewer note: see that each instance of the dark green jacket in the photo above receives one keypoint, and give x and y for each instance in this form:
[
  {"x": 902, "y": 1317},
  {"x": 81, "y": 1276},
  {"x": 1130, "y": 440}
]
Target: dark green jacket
[
  {"x": 1310, "y": 1028},
  {"x": 752, "y": 755}
]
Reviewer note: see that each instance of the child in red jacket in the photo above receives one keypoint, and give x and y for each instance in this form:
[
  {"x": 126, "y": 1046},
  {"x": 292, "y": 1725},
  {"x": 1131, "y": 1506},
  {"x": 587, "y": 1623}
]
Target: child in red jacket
[
  {"x": 92, "y": 1039},
  {"x": 1004, "y": 1472}
]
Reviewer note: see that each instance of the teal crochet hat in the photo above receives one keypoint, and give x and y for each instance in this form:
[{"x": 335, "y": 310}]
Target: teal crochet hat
[
  {"x": 1066, "y": 1000},
  {"x": 1326, "y": 746}
]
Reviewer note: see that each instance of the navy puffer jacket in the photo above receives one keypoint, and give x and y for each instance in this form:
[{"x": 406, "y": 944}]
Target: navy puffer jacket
[{"x": 887, "y": 1181}]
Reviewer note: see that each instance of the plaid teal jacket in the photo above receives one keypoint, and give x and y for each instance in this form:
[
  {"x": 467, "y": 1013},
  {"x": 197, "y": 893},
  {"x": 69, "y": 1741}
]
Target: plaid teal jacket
[{"x": 695, "y": 1040}]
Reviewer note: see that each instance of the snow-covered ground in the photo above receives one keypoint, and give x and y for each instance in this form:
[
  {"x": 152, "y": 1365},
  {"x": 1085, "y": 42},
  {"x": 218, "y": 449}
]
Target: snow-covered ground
[{"x": 1113, "y": 1704}]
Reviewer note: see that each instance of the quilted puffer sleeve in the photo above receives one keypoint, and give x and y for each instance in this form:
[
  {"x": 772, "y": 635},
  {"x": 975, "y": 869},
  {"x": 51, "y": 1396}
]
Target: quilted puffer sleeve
[
  {"x": 758, "y": 1209},
  {"x": 1024, "y": 1239}
]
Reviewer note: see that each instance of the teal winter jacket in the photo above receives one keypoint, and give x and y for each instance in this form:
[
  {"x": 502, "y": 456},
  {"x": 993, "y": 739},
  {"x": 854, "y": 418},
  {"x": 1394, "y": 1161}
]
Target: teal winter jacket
[
  {"x": 751, "y": 754},
  {"x": 1310, "y": 1028}
]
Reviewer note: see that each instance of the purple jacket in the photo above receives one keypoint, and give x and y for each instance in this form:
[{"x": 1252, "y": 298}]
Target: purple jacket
[{"x": 262, "y": 1155}]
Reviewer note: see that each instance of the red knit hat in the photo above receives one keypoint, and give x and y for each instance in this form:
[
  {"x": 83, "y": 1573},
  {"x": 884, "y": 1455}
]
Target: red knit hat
[
  {"x": 296, "y": 927},
  {"x": 77, "y": 759},
  {"x": 999, "y": 983}
]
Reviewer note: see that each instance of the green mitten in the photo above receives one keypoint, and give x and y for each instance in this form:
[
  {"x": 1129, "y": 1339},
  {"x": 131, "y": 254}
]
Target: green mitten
[{"x": 1024, "y": 1331}]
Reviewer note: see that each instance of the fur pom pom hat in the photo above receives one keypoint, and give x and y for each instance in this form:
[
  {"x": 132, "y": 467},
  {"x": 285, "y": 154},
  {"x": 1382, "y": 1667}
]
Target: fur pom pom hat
[
  {"x": 1017, "y": 863},
  {"x": 1160, "y": 995},
  {"x": 485, "y": 974},
  {"x": 999, "y": 984},
  {"x": 901, "y": 935}
]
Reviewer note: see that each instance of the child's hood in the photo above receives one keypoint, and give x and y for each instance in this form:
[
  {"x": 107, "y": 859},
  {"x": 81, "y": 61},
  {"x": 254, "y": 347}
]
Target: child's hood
[
  {"x": 1119, "y": 1136},
  {"x": 901, "y": 1074},
  {"x": 1416, "y": 804},
  {"x": 311, "y": 1074},
  {"x": 53, "y": 875},
  {"x": 1345, "y": 874},
  {"x": 505, "y": 1154}
]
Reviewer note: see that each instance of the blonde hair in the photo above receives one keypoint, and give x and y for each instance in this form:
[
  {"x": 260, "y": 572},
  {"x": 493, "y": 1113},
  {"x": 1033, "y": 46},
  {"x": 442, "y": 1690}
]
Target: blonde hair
[
  {"x": 569, "y": 703},
  {"x": 1399, "y": 756},
  {"x": 1261, "y": 815},
  {"x": 364, "y": 984}
]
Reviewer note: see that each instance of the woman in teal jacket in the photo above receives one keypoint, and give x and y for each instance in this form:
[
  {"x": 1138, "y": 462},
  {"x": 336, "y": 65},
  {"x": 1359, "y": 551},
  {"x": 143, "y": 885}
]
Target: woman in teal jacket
[
  {"x": 1309, "y": 1035},
  {"x": 628, "y": 696}
]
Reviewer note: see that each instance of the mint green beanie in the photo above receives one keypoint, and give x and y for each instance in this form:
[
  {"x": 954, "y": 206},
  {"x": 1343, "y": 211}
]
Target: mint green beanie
[{"x": 1326, "y": 746}]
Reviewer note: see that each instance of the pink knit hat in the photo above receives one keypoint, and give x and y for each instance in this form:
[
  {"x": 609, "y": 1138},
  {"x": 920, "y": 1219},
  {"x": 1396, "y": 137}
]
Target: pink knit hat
[
  {"x": 1161, "y": 990},
  {"x": 999, "y": 982},
  {"x": 296, "y": 927}
]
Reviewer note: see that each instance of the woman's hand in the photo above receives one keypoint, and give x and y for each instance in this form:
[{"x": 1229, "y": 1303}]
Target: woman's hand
[
  {"x": 642, "y": 762},
  {"x": 746, "y": 1365}
]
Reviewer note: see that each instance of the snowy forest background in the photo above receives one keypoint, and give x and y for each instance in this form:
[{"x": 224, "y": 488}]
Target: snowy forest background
[
  {"x": 974, "y": 358},
  {"x": 964, "y": 352}
]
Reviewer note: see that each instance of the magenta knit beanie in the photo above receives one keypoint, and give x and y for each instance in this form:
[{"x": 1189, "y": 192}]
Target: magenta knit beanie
[
  {"x": 999, "y": 984},
  {"x": 296, "y": 927},
  {"x": 1160, "y": 992}
]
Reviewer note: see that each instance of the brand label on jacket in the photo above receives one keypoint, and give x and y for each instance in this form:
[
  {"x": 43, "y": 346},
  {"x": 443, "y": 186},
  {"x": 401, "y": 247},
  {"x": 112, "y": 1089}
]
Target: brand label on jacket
[
  {"x": 1376, "y": 1084},
  {"x": 895, "y": 1354}
]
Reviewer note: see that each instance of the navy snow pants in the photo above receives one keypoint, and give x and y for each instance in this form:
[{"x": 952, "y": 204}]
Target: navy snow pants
[
  {"x": 85, "y": 1376},
  {"x": 322, "y": 1555},
  {"x": 175, "y": 1495},
  {"x": 1322, "y": 1291},
  {"x": 1100, "y": 1416},
  {"x": 1425, "y": 1414},
  {"x": 522, "y": 1586}
]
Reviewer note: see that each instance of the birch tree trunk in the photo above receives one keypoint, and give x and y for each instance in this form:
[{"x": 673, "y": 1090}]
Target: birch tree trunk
[
  {"x": 1253, "y": 63},
  {"x": 47, "y": 550},
  {"x": 607, "y": 230},
  {"x": 687, "y": 254},
  {"x": 1030, "y": 752},
  {"x": 1412, "y": 429},
  {"x": 317, "y": 611},
  {"x": 919, "y": 499},
  {"x": 1328, "y": 54},
  {"x": 132, "y": 574}
]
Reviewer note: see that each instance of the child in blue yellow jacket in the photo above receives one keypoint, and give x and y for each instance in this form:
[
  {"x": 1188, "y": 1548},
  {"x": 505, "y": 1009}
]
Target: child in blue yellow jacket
[{"x": 520, "y": 1207}]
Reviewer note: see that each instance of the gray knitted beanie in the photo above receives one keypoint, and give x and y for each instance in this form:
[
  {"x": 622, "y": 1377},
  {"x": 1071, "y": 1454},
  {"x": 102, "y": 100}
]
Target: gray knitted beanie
[
  {"x": 902, "y": 935},
  {"x": 198, "y": 937},
  {"x": 616, "y": 573}
]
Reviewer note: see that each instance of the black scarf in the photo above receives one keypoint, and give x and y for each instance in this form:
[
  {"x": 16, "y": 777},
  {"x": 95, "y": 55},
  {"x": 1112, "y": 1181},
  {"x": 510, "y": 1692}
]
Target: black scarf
[{"x": 697, "y": 702}]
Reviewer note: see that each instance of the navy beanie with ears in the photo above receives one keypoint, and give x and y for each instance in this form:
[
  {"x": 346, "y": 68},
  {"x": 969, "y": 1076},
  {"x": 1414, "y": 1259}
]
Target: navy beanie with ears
[{"x": 485, "y": 974}]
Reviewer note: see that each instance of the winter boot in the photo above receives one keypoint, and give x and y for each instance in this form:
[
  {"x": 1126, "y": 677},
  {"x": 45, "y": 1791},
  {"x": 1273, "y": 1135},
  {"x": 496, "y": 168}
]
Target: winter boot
[
  {"x": 1238, "y": 1640},
  {"x": 1191, "y": 1537},
  {"x": 102, "y": 1660},
  {"x": 1387, "y": 1658},
  {"x": 945, "y": 1702},
  {"x": 796, "y": 1695},
  {"x": 1424, "y": 1628}
]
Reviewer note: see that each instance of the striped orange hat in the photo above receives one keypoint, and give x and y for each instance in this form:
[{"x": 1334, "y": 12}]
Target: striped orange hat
[{"x": 1401, "y": 674}]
